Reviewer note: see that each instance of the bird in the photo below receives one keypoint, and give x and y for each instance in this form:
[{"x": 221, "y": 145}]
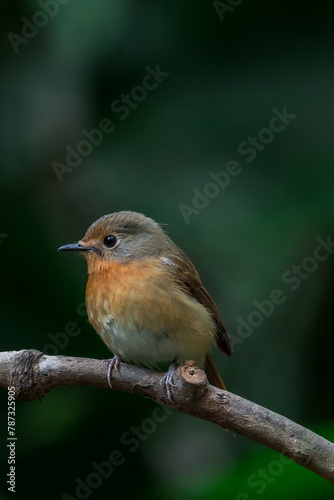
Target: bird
[{"x": 145, "y": 298}]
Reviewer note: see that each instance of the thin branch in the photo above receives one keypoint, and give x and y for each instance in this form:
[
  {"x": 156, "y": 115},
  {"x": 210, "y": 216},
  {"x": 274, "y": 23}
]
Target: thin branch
[{"x": 34, "y": 374}]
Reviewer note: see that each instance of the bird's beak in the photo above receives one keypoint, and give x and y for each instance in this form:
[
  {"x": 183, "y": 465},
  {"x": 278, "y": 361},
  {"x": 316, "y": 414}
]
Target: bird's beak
[{"x": 73, "y": 247}]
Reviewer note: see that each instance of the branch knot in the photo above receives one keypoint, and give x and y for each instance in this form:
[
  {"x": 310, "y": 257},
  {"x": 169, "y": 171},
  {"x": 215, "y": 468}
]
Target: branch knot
[{"x": 191, "y": 382}]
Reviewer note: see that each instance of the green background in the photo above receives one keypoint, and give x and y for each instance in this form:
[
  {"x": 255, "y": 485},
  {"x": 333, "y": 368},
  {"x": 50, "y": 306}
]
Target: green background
[{"x": 225, "y": 78}]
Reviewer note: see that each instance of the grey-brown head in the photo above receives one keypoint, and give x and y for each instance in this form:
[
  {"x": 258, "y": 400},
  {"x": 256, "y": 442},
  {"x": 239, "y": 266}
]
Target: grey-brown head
[{"x": 123, "y": 235}]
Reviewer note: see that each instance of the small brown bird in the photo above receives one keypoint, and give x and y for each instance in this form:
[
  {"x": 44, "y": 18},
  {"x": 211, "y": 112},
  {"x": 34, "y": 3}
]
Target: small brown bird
[{"x": 145, "y": 298}]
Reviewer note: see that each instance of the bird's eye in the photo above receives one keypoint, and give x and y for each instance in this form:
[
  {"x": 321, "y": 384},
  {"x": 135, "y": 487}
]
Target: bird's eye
[{"x": 110, "y": 241}]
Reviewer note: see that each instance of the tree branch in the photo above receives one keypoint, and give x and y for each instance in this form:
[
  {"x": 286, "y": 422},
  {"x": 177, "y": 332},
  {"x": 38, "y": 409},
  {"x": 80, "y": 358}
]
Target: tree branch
[{"x": 34, "y": 374}]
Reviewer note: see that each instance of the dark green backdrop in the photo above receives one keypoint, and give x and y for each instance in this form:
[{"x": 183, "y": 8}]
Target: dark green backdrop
[{"x": 228, "y": 70}]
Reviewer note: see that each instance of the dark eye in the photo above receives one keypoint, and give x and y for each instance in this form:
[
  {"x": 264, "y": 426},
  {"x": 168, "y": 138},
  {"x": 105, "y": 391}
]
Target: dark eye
[{"x": 110, "y": 241}]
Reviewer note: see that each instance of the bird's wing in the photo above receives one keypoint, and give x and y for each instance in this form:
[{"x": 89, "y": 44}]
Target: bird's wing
[{"x": 185, "y": 273}]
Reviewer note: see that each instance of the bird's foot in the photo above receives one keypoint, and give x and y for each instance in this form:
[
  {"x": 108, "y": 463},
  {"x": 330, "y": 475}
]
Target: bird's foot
[
  {"x": 113, "y": 363},
  {"x": 167, "y": 380}
]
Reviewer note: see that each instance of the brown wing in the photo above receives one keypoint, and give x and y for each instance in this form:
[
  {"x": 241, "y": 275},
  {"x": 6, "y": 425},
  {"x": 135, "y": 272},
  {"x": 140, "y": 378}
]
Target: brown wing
[{"x": 186, "y": 274}]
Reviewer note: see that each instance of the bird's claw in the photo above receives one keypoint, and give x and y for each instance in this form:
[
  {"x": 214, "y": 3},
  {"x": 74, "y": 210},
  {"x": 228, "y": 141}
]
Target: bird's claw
[
  {"x": 113, "y": 363},
  {"x": 167, "y": 381}
]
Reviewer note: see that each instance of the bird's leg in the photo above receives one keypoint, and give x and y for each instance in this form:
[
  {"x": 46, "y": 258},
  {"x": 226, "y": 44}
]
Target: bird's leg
[
  {"x": 167, "y": 380},
  {"x": 112, "y": 362}
]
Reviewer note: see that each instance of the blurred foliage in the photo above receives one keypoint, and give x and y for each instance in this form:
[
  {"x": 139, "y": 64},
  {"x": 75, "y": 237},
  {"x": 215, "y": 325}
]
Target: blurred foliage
[{"x": 225, "y": 78}]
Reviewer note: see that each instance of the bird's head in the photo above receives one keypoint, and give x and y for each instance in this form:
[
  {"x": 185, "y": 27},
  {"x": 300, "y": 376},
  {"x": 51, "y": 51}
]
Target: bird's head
[{"x": 119, "y": 237}]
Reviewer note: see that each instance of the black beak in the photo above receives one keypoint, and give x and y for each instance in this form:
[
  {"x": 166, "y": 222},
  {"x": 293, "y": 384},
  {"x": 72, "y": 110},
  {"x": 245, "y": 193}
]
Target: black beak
[{"x": 73, "y": 247}]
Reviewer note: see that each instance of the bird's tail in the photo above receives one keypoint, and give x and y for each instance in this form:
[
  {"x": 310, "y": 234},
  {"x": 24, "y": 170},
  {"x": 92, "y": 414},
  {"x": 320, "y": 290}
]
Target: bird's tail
[{"x": 212, "y": 373}]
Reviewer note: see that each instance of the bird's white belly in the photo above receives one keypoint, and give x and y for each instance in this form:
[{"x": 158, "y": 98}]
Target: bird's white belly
[{"x": 139, "y": 345}]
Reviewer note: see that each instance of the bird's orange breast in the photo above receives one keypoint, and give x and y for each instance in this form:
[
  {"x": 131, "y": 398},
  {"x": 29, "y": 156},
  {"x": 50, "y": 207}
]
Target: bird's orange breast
[
  {"x": 115, "y": 287},
  {"x": 142, "y": 314},
  {"x": 122, "y": 295}
]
